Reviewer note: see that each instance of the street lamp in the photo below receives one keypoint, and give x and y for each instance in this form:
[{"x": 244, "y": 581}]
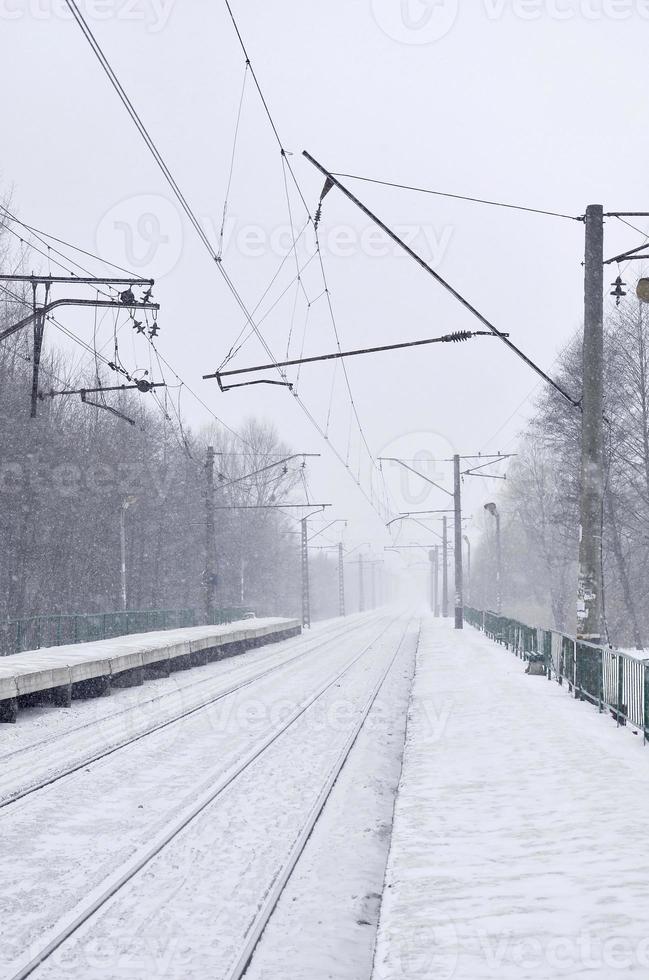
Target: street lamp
[
  {"x": 126, "y": 503},
  {"x": 493, "y": 510}
]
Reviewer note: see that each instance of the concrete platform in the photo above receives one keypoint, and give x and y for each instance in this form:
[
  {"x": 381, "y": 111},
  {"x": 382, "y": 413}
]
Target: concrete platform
[
  {"x": 520, "y": 834},
  {"x": 90, "y": 669}
]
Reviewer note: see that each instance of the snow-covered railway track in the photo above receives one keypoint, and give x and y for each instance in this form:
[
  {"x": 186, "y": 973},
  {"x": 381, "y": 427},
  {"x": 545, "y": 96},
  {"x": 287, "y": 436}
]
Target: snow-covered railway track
[
  {"x": 239, "y": 966},
  {"x": 112, "y": 734},
  {"x": 37, "y": 952}
]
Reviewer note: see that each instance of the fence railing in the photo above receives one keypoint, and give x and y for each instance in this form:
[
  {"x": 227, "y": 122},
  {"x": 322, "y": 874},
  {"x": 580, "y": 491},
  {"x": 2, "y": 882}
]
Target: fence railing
[
  {"x": 18, "y": 635},
  {"x": 607, "y": 678}
]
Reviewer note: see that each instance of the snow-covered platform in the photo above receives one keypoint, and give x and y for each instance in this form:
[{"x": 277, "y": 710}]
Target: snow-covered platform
[
  {"x": 519, "y": 847},
  {"x": 90, "y": 669}
]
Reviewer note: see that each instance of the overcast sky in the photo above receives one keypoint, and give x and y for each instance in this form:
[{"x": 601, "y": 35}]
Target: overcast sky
[{"x": 541, "y": 104}]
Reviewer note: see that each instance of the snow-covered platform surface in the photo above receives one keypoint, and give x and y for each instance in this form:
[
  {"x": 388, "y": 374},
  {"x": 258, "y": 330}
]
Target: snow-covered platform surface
[
  {"x": 51, "y": 668},
  {"x": 520, "y": 845}
]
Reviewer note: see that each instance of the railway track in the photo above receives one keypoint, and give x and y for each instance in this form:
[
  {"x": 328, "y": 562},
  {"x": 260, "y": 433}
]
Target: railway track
[
  {"x": 212, "y": 687},
  {"x": 117, "y": 884},
  {"x": 240, "y": 965}
]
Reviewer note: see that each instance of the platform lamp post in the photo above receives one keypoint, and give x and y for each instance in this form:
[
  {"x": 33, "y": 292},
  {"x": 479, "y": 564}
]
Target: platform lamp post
[
  {"x": 493, "y": 510},
  {"x": 125, "y": 504}
]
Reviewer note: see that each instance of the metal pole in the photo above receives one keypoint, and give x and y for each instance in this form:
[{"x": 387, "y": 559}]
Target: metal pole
[
  {"x": 436, "y": 582},
  {"x": 457, "y": 497},
  {"x": 468, "y": 568},
  {"x": 361, "y": 585},
  {"x": 432, "y": 558},
  {"x": 373, "y": 584},
  {"x": 210, "y": 543},
  {"x": 499, "y": 566},
  {"x": 341, "y": 581},
  {"x": 444, "y": 566},
  {"x": 306, "y": 598},
  {"x": 589, "y": 589},
  {"x": 122, "y": 543}
]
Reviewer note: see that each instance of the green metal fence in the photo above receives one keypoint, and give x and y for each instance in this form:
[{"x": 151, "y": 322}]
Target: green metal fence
[
  {"x": 607, "y": 678},
  {"x": 18, "y": 635}
]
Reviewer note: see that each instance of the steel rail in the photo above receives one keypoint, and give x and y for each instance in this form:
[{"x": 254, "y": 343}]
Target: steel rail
[
  {"x": 14, "y": 798},
  {"x": 115, "y": 882},
  {"x": 139, "y": 705},
  {"x": 240, "y": 965}
]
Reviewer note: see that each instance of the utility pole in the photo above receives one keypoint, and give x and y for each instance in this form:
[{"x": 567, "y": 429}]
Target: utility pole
[
  {"x": 493, "y": 510},
  {"x": 210, "y": 539},
  {"x": 122, "y": 548},
  {"x": 125, "y": 504},
  {"x": 432, "y": 557},
  {"x": 361, "y": 584},
  {"x": 468, "y": 568},
  {"x": 445, "y": 566},
  {"x": 457, "y": 496},
  {"x": 589, "y": 589},
  {"x": 39, "y": 329},
  {"x": 436, "y": 582},
  {"x": 306, "y": 597},
  {"x": 341, "y": 580}
]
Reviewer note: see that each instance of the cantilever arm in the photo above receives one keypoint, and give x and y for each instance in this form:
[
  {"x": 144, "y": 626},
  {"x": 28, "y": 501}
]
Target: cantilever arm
[{"x": 45, "y": 310}]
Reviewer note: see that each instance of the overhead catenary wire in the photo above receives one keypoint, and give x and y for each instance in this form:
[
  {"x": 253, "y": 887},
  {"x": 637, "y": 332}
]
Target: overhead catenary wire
[
  {"x": 232, "y": 159},
  {"x": 287, "y": 165},
  {"x": 264, "y": 102},
  {"x": 61, "y": 241},
  {"x": 443, "y": 282},
  {"x": 149, "y": 142},
  {"x": 459, "y": 197}
]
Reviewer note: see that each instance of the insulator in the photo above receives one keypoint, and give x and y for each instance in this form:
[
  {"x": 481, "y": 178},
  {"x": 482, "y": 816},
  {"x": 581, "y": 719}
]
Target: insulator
[{"x": 458, "y": 336}]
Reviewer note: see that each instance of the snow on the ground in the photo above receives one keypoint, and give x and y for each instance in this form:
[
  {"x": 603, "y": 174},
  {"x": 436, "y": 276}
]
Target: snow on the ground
[
  {"x": 520, "y": 847},
  {"x": 185, "y": 915},
  {"x": 48, "y": 739},
  {"x": 325, "y": 923}
]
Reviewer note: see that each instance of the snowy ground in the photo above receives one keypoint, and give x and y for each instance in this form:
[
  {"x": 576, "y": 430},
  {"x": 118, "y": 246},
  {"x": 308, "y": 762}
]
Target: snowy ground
[
  {"x": 520, "y": 847},
  {"x": 185, "y": 914}
]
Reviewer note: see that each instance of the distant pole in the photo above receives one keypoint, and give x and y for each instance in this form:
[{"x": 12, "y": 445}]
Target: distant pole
[
  {"x": 436, "y": 582},
  {"x": 468, "y": 568},
  {"x": 125, "y": 504},
  {"x": 209, "y": 588},
  {"x": 457, "y": 498},
  {"x": 306, "y": 598},
  {"x": 122, "y": 543},
  {"x": 361, "y": 585},
  {"x": 341, "y": 581},
  {"x": 495, "y": 513},
  {"x": 589, "y": 589},
  {"x": 432, "y": 558},
  {"x": 499, "y": 566},
  {"x": 373, "y": 585},
  {"x": 444, "y": 566}
]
